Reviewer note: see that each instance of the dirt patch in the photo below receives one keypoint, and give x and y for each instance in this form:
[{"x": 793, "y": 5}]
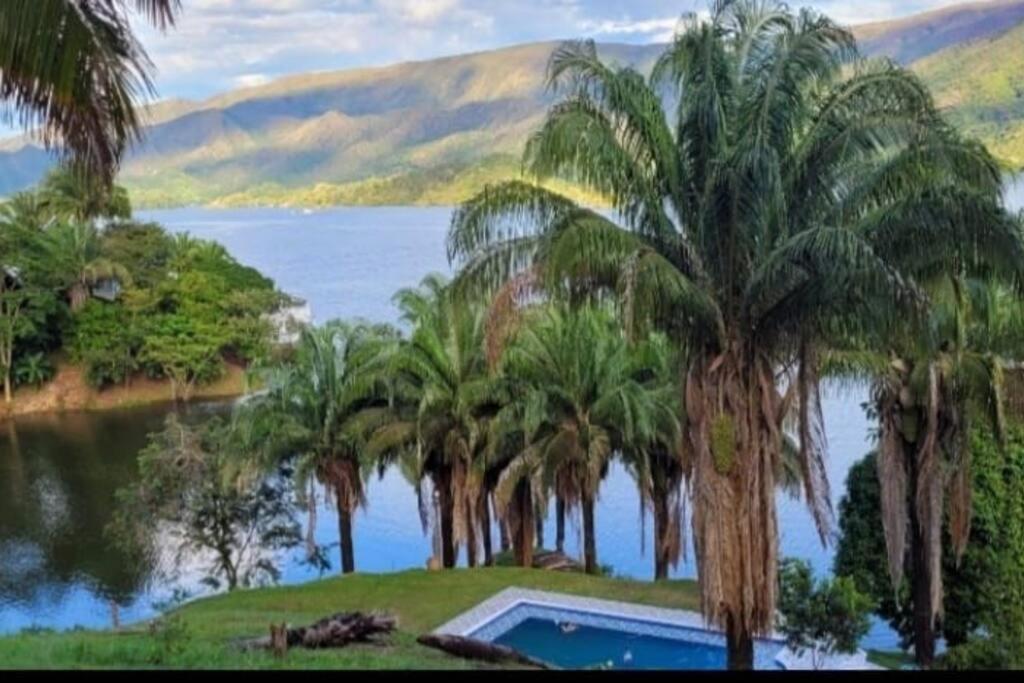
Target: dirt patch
[{"x": 70, "y": 392}]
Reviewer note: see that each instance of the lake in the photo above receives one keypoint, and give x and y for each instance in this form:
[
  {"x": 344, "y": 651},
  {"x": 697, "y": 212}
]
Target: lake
[{"x": 58, "y": 474}]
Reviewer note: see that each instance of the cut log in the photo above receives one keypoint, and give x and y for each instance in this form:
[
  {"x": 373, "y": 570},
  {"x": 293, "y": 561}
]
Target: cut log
[
  {"x": 333, "y": 632},
  {"x": 479, "y": 650},
  {"x": 556, "y": 561}
]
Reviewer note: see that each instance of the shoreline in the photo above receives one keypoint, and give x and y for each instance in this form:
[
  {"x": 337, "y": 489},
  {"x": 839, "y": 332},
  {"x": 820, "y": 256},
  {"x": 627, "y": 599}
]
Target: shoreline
[{"x": 68, "y": 392}]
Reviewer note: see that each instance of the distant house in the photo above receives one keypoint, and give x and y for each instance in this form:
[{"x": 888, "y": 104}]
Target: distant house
[
  {"x": 107, "y": 289},
  {"x": 289, "y": 321}
]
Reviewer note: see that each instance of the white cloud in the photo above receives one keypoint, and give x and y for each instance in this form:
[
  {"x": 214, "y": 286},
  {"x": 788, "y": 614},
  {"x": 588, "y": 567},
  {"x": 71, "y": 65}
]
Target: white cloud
[{"x": 250, "y": 80}]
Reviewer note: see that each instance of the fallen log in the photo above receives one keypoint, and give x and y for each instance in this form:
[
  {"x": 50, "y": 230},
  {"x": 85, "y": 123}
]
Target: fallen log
[
  {"x": 479, "y": 650},
  {"x": 332, "y": 632}
]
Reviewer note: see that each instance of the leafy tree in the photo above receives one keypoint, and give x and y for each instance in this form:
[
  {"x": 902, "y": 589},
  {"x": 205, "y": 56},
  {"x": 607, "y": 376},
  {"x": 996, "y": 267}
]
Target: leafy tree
[
  {"x": 787, "y": 200},
  {"x": 827, "y": 617},
  {"x": 144, "y": 249},
  {"x": 107, "y": 341},
  {"x": 71, "y": 70},
  {"x": 182, "y": 490},
  {"x": 304, "y": 416},
  {"x": 185, "y": 350}
]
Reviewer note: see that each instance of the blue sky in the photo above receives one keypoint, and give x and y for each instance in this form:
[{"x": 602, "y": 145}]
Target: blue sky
[{"x": 222, "y": 44}]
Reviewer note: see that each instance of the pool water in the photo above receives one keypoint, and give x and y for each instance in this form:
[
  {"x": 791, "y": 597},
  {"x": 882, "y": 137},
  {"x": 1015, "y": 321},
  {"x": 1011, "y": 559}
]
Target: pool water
[{"x": 589, "y": 647}]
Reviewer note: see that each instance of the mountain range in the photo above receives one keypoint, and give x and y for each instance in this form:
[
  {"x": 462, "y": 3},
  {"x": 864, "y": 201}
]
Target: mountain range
[{"x": 434, "y": 132}]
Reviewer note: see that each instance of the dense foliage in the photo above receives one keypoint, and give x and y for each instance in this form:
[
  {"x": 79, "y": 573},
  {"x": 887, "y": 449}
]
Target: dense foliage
[
  {"x": 119, "y": 296},
  {"x": 826, "y": 617},
  {"x": 982, "y": 587}
]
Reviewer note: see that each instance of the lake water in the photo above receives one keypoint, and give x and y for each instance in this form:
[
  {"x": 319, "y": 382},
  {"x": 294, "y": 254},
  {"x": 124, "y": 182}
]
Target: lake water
[{"x": 58, "y": 474}]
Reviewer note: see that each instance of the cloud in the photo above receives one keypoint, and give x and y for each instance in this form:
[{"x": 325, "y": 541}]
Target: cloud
[
  {"x": 250, "y": 80},
  {"x": 221, "y": 44}
]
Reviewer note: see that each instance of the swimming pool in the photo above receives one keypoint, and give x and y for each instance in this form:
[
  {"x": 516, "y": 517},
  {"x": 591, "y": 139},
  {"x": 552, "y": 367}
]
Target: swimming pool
[{"x": 573, "y": 632}]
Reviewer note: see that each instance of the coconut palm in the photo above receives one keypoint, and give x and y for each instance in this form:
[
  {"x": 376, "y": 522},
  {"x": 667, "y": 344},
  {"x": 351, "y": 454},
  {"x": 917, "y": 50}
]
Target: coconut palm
[
  {"x": 928, "y": 390},
  {"x": 75, "y": 252},
  {"x": 441, "y": 388},
  {"x": 305, "y": 414},
  {"x": 584, "y": 397},
  {"x": 772, "y": 192},
  {"x": 72, "y": 71}
]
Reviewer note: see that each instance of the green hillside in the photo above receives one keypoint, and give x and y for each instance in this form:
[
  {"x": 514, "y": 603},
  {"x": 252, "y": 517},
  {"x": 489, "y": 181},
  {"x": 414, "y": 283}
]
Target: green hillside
[
  {"x": 981, "y": 87},
  {"x": 435, "y": 132}
]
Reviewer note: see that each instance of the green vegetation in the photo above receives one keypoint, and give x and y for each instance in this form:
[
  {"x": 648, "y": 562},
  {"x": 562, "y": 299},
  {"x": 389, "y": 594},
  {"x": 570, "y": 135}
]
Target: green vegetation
[
  {"x": 754, "y": 241},
  {"x": 826, "y": 617},
  {"x": 71, "y": 70},
  {"x": 199, "y": 635},
  {"x": 120, "y": 297}
]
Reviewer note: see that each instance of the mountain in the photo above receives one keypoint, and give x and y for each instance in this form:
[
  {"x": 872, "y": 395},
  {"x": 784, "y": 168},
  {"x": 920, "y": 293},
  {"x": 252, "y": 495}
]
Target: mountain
[
  {"x": 915, "y": 37},
  {"x": 434, "y": 132}
]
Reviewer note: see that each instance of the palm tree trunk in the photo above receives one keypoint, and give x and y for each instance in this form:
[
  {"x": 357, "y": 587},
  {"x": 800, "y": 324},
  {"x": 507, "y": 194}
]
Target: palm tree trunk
[
  {"x": 78, "y": 296},
  {"x": 920, "y": 575},
  {"x": 540, "y": 532},
  {"x": 740, "y": 646},
  {"x": 504, "y": 540},
  {"x": 348, "y": 560},
  {"x": 523, "y": 526},
  {"x": 485, "y": 523},
  {"x": 447, "y": 505},
  {"x": 661, "y": 541},
  {"x": 470, "y": 538},
  {"x": 559, "y": 524},
  {"x": 8, "y": 397},
  {"x": 589, "y": 541}
]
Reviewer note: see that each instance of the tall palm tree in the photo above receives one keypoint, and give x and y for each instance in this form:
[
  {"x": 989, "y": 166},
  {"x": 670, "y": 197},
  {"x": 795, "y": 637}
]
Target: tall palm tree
[
  {"x": 72, "y": 71},
  {"x": 928, "y": 390},
  {"x": 584, "y": 398},
  {"x": 442, "y": 388},
  {"x": 306, "y": 413},
  {"x": 75, "y": 250},
  {"x": 772, "y": 191}
]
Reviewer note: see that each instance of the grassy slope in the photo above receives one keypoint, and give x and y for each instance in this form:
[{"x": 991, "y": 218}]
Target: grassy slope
[
  {"x": 981, "y": 86},
  {"x": 421, "y": 600}
]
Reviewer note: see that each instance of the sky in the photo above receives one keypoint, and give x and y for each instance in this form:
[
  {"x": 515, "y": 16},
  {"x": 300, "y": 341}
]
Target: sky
[{"x": 219, "y": 45}]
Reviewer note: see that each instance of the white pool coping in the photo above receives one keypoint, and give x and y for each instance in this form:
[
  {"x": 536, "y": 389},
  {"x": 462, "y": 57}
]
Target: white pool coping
[{"x": 472, "y": 620}]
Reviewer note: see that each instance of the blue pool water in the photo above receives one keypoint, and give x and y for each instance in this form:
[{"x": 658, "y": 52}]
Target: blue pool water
[{"x": 590, "y": 647}]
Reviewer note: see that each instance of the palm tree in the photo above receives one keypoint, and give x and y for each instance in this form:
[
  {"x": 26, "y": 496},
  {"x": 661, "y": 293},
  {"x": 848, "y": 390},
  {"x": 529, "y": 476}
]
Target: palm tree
[
  {"x": 306, "y": 412},
  {"x": 584, "y": 398},
  {"x": 927, "y": 390},
  {"x": 774, "y": 192},
  {"x": 75, "y": 252},
  {"x": 73, "y": 196},
  {"x": 441, "y": 393},
  {"x": 71, "y": 72}
]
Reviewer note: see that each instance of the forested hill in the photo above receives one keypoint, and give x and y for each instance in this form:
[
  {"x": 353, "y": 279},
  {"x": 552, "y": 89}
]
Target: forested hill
[{"x": 434, "y": 132}]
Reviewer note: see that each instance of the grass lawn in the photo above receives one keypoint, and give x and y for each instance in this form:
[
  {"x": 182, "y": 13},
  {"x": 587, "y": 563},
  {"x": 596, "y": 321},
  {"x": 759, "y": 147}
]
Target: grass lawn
[
  {"x": 200, "y": 634},
  {"x": 890, "y": 660}
]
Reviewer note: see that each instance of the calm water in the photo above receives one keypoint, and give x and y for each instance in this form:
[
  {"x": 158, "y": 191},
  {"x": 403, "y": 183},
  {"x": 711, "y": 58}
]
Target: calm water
[
  {"x": 58, "y": 474},
  {"x": 589, "y": 647}
]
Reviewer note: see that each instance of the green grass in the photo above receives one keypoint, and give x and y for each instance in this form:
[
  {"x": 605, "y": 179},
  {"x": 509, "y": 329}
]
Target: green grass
[
  {"x": 200, "y": 635},
  {"x": 889, "y": 660}
]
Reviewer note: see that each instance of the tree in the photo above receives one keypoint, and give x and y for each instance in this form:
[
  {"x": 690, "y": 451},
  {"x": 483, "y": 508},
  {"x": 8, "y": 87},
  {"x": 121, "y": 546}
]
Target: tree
[
  {"x": 75, "y": 254},
  {"x": 826, "y": 617},
  {"x": 304, "y": 416},
  {"x": 937, "y": 380},
  {"x": 585, "y": 395},
  {"x": 182, "y": 488},
  {"x": 185, "y": 350},
  {"x": 787, "y": 200},
  {"x": 440, "y": 384},
  {"x": 74, "y": 196},
  {"x": 71, "y": 71}
]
